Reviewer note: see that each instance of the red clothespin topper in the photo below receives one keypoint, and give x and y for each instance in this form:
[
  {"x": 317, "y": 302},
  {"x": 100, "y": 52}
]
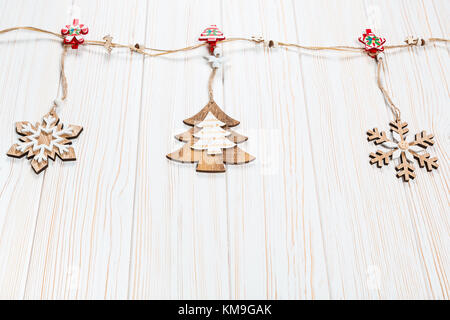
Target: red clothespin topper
[
  {"x": 212, "y": 34},
  {"x": 372, "y": 44},
  {"x": 73, "y": 34}
]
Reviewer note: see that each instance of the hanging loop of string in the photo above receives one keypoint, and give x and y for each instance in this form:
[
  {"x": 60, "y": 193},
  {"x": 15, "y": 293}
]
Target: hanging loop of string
[
  {"x": 63, "y": 74},
  {"x": 63, "y": 77},
  {"x": 395, "y": 110},
  {"x": 210, "y": 84}
]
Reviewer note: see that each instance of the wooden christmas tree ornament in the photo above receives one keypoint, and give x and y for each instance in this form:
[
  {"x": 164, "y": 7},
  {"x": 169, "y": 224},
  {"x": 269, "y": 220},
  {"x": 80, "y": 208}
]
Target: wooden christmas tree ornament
[
  {"x": 45, "y": 140},
  {"x": 211, "y": 143}
]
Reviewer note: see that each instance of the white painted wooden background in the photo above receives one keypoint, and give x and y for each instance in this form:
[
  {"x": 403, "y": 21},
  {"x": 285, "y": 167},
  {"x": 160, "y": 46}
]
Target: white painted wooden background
[{"x": 309, "y": 219}]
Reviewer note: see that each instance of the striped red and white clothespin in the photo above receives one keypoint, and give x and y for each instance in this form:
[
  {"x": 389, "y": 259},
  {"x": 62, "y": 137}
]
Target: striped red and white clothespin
[{"x": 212, "y": 34}]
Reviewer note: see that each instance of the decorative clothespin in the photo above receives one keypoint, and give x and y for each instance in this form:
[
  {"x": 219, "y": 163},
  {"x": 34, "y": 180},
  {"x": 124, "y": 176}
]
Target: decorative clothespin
[
  {"x": 108, "y": 45},
  {"x": 215, "y": 59},
  {"x": 414, "y": 41},
  {"x": 212, "y": 34},
  {"x": 373, "y": 44},
  {"x": 73, "y": 34}
]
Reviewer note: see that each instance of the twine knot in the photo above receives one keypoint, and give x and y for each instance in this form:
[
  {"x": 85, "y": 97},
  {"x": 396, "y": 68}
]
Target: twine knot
[
  {"x": 57, "y": 103},
  {"x": 379, "y": 56}
]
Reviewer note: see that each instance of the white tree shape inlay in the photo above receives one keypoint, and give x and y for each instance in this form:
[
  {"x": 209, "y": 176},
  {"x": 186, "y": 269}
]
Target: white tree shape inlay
[{"x": 212, "y": 137}]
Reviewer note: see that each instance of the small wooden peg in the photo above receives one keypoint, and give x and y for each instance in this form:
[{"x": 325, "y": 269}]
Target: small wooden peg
[
  {"x": 108, "y": 43},
  {"x": 414, "y": 41},
  {"x": 258, "y": 39},
  {"x": 411, "y": 41},
  {"x": 271, "y": 43}
]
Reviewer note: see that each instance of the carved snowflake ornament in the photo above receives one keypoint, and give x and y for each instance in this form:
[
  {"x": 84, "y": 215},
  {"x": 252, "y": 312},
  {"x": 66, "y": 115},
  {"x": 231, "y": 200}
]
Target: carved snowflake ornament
[
  {"x": 45, "y": 140},
  {"x": 402, "y": 148}
]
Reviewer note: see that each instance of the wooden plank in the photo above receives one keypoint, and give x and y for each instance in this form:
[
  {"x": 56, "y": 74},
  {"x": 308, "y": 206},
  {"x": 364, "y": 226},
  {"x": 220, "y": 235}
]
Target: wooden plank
[
  {"x": 371, "y": 240},
  {"x": 28, "y": 83},
  {"x": 276, "y": 249},
  {"x": 180, "y": 247},
  {"x": 309, "y": 218},
  {"x": 83, "y": 235},
  {"x": 417, "y": 79}
]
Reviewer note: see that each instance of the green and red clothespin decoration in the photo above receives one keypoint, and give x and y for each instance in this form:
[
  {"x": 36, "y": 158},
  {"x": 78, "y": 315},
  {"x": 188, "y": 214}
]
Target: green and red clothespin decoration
[
  {"x": 372, "y": 44},
  {"x": 73, "y": 34},
  {"x": 212, "y": 34}
]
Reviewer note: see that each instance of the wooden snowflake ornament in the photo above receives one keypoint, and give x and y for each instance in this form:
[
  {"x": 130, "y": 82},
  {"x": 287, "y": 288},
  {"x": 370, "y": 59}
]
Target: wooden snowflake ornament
[
  {"x": 73, "y": 34},
  {"x": 210, "y": 143},
  {"x": 400, "y": 148},
  {"x": 372, "y": 44},
  {"x": 45, "y": 140}
]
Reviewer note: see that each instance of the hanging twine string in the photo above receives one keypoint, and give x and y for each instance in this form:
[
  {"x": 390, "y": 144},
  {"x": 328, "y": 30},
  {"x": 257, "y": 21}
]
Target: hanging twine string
[
  {"x": 210, "y": 83},
  {"x": 63, "y": 74},
  {"x": 283, "y": 44},
  {"x": 395, "y": 110},
  {"x": 439, "y": 40},
  {"x": 31, "y": 29},
  {"x": 159, "y": 52},
  {"x": 58, "y": 102}
]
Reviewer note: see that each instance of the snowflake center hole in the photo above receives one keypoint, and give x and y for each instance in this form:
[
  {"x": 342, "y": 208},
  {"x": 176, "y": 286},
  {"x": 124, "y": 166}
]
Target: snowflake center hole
[{"x": 403, "y": 145}]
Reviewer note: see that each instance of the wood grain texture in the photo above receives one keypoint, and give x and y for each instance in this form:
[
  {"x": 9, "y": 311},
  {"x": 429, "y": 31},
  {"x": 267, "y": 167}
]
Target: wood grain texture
[
  {"x": 29, "y": 81},
  {"x": 310, "y": 218},
  {"x": 83, "y": 232},
  {"x": 180, "y": 242},
  {"x": 274, "y": 224},
  {"x": 377, "y": 243}
]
